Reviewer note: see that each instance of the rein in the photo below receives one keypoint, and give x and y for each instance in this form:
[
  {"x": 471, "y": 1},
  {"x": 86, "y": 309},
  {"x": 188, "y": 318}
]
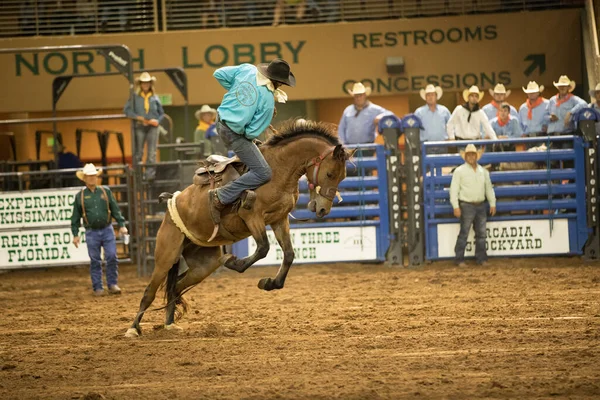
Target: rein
[{"x": 330, "y": 192}]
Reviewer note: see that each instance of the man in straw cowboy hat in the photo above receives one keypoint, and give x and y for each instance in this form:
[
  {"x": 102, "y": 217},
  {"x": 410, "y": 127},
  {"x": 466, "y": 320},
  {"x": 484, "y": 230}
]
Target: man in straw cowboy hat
[
  {"x": 499, "y": 95},
  {"x": 534, "y": 112},
  {"x": 357, "y": 123},
  {"x": 147, "y": 112},
  {"x": 470, "y": 188},
  {"x": 245, "y": 112},
  {"x": 468, "y": 121},
  {"x": 97, "y": 205},
  {"x": 206, "y": 117},
  {"x": 433, "y": 116},
  {"x": 562, "y": 105}
]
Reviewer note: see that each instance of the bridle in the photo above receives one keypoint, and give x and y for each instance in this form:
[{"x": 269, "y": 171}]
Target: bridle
[{"x": 328, "y": 193}]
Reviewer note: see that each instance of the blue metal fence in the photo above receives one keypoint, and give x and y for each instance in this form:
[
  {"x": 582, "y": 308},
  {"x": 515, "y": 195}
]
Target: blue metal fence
[
  {"x": 361, "y": 220},
  {"x": 553, "y": 194}
]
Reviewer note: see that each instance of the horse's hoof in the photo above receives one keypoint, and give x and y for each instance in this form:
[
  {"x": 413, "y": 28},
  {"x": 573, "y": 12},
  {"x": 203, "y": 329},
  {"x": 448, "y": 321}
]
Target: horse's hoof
[
  {"x": 132, "y": 333},
  {"x": 265, "y": 284},
  {"x": 173, "y": 327}
]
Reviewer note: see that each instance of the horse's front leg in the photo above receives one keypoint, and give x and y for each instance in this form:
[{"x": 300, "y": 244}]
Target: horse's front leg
[
  {"x": 258, "y": 230},
  {"x": 282, "y": 234}
]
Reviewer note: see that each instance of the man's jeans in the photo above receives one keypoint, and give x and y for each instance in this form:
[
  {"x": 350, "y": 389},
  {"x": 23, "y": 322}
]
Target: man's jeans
[
  {"x": 96, "y": 238},
  {"x": 143, "y": 135},
  {"x": 259, "y": 172},
  {"x": 476, "y": 216}
]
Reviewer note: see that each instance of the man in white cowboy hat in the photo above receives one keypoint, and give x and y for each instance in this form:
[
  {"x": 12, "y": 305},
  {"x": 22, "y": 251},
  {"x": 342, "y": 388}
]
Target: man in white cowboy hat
[
  {"x": 97, "y": 205},
  {"x": 470, "y": 188},
  {"x": 357, "y": 123},
  {"x": 468, "y": 121},
  {"x": 245, "y": 112},
  {"x": 206, "y": 117},
  {"x": 499, "y": 95},
  {"x": 433, "y": 116},
  {"x": 562, "y": 105},
  {"x": 534, "y": 112},
  {"x": 147, "y": 112}
]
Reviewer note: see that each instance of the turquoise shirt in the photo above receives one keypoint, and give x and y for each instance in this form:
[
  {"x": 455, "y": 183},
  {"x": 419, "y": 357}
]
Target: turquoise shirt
[
  {"x": 539, "y": 118},
  {"x": 247, "y": 108},
  {"x": 512, "y": 129},
  {"x": 434, "y": 123},
  {"x": 558, "y": 127}
]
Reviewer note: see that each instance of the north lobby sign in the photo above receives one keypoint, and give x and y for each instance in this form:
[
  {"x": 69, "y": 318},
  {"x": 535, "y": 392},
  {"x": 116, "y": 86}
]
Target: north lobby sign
[{"x": 453, "y": 52}]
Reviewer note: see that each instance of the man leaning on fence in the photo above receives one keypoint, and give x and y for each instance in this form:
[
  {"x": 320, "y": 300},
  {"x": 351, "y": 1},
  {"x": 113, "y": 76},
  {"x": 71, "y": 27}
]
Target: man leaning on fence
[
  {"x": 470, "y": 188},
  {"x": 97, "y": 205}
]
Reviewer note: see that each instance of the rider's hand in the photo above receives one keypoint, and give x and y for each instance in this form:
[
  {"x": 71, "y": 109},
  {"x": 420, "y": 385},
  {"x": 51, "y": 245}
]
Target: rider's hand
[{"x": 76, "y": 241}]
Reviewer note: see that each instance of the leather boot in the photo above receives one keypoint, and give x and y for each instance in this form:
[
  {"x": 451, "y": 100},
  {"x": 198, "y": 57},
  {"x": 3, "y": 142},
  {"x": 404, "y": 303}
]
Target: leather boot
[{"x": 215, "y": 206}]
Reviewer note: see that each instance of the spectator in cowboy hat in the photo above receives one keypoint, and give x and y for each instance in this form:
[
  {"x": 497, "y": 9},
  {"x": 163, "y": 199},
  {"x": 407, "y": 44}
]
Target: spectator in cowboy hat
[
  {"x": 562, "y": 105},
  {"x": 499, "y": 95},
  {"x": 595, "y": 103},
  {"x": 97, "y": 205},
  {"x": 534, "y": 112},
  {"x": 468, "y": 121},
  {"x": 357, "y": 122},
  {"x": 506, "y": 125},
  {"x": 433, "y": 116},
  {"x": 246, "y": 111},
  {"x": 470, "y": 188},
  {"x": 206, "y": 117},
  {"x": 147, "y": 112}
]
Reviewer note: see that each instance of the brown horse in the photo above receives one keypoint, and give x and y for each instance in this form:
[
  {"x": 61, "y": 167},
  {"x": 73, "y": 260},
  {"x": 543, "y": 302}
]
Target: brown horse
[{"x": 309, "y": 149}]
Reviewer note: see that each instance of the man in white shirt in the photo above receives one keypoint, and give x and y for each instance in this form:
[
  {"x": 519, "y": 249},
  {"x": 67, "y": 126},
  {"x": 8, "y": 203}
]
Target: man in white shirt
[{"x": 468, "y": 121}]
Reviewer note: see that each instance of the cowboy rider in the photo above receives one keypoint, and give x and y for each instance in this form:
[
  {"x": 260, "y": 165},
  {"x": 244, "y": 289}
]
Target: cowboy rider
[{"x": 245, "y": 112}]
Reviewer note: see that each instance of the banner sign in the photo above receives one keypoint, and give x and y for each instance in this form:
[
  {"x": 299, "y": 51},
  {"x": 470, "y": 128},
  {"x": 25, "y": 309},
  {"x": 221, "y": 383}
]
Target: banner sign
[
  {"x": 504, "y": 238},
  {"x": 19, "y": 249},
  {"x": 38, "y": 208},
  {"x": 328, "y": 244}
]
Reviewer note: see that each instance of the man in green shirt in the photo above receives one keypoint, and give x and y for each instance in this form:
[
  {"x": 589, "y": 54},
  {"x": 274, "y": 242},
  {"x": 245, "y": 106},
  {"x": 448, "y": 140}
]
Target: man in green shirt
[
  {"x": 470, "y": 188},
  {"x": 96, "y": 204}
]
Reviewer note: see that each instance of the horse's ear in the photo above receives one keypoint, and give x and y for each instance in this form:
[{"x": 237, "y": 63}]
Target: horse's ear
[
  {"x": 339, "y": 153},
  {"x": 350, "y": 153}
]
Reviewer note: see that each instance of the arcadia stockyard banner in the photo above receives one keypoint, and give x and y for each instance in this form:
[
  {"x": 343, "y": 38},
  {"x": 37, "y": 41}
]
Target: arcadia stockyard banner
[
  {"x": 36, "y": 208},
  {"x": 504, "y": 238},
  {"x": 312, "y": 245}
]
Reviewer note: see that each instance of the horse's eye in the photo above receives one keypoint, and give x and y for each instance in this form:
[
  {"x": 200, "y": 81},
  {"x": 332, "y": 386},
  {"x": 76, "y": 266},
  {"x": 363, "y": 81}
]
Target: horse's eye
[{"x": 330, "y": 175}]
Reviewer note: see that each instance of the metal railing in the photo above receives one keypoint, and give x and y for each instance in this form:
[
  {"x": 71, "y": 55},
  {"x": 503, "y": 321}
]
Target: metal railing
[
  {"x": 75, "y": 17},
  {"x": 80, "y": 17}
]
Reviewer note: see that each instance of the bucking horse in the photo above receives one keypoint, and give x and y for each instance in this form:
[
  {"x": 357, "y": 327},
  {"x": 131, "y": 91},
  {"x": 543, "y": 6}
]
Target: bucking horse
[{"x": 310, "y": 149}]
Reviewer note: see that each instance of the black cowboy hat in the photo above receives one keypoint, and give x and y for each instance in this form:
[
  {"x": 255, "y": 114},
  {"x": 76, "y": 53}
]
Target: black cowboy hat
[{"x": 278, "y": 70}]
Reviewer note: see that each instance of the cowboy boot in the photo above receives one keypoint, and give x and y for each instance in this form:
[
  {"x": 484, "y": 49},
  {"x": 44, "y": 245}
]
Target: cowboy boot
[
  {"x": 248, "y": 199},
  {"x": 215, "y": 206}
]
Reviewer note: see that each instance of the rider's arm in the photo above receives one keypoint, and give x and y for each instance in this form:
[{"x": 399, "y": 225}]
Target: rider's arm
[{"x": 226, "y": 76}]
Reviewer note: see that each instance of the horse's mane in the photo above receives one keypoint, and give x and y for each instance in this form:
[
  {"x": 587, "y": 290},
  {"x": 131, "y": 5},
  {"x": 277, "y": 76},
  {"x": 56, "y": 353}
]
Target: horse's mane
[{"x": 293, "y": 129}]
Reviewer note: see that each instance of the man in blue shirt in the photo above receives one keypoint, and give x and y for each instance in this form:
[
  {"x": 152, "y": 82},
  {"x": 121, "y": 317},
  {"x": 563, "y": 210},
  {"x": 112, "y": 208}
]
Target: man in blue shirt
[
  {"x": 434, "y": 117},
  {"x": 245, "y": 112},
  {"x": 147, "y": 111},
  {"x": 533, "y": 113},
  {"x": 562, "y": 105},
  {"x": 499, "y": 95},
  {"x": 357, "y": 122}
]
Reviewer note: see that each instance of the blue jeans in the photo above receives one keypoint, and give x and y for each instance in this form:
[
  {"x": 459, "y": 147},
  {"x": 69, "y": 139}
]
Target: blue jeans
[
  {"x": 476, "y": 216},
  {"x": 259, "y": 172},
  {"x": 96, "y": 238},
  {"x": 143, "y": 135}
]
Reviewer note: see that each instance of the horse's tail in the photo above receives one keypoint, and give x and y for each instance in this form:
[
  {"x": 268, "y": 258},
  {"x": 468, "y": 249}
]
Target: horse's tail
[{"x": 171, "y": 294}]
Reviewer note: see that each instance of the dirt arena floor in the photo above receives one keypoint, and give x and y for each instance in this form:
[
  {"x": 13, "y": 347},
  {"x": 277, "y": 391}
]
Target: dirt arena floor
[{"x": 519, "y": 329}]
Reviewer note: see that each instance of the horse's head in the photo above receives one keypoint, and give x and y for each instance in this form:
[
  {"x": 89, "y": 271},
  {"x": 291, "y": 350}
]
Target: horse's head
[{"x": 324, "y": 174}]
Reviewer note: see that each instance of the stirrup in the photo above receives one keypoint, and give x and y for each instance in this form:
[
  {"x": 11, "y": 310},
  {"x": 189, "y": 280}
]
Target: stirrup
[
  {"x": 248, "y": 199},
  {"x": 214, "y": 211}
]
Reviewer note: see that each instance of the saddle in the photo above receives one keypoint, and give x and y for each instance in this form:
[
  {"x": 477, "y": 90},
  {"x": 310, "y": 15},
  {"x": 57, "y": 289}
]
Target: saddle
[{"x": 217, "y": 171}]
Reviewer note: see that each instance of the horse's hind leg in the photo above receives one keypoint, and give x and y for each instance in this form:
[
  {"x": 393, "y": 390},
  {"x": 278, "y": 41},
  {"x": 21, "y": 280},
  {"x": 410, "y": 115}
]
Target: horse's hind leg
[
  {"x": 202, "y": 261},
  {"x": 168, "y": 248}
]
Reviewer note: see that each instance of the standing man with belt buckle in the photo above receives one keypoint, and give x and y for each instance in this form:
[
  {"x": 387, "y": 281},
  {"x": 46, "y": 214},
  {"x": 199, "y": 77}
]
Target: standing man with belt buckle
[
  {"x": 96, "y": 204},
  {"x": 470, "y": 187}
]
